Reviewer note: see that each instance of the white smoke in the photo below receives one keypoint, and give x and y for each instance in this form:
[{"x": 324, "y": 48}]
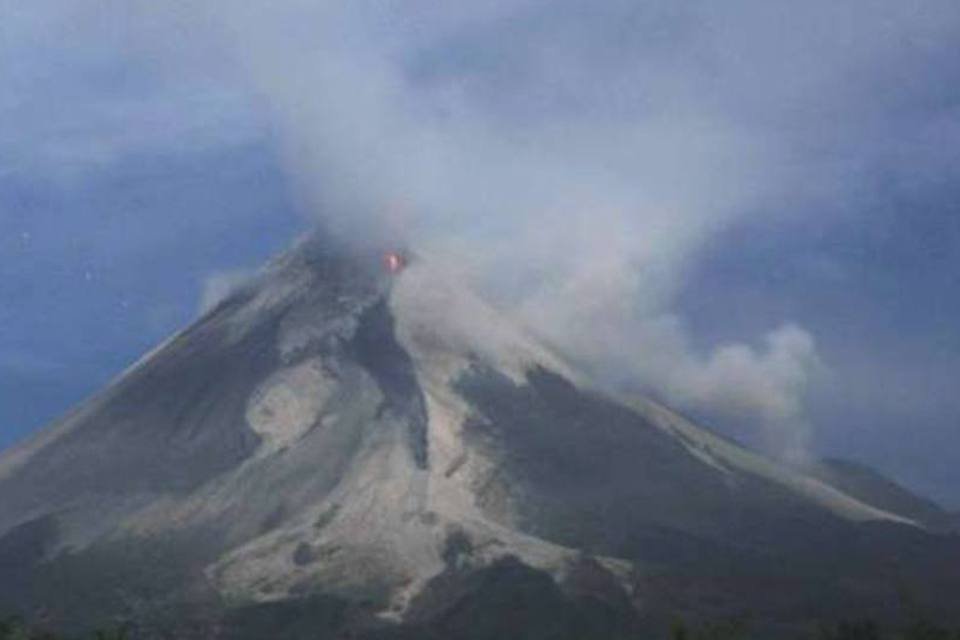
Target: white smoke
[
  {"x": 770, "y": 380},
  {"x": 578, "y": 155}
]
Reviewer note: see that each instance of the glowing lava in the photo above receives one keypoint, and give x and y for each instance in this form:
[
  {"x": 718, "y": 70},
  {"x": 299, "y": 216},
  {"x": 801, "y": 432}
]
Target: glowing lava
[{"x": 394, "y": 262}]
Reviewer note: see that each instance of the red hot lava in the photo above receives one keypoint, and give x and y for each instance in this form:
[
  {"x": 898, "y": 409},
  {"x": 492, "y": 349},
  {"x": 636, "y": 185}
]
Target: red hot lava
[{"x": 394, "y": 262}]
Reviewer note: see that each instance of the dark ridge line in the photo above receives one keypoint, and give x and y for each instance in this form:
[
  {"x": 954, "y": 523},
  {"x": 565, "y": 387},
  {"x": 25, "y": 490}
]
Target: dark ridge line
[{"x": 376, "y": 348}]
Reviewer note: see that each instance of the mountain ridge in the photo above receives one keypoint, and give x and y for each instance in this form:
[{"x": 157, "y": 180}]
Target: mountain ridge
[
  {"x": 862, "y": 481},
  {"x": 336, "y": 430}
]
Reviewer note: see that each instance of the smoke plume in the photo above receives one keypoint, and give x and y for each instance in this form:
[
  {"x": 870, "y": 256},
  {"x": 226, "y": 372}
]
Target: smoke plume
[{"x": 578, "y": 156}]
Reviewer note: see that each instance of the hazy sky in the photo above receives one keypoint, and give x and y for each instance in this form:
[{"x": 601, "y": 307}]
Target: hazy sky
[{"x": 749, "y": 209}]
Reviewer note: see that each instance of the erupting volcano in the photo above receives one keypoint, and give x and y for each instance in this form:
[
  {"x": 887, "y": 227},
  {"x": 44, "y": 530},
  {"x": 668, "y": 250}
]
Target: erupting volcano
[{"x": 341, "y": 449}]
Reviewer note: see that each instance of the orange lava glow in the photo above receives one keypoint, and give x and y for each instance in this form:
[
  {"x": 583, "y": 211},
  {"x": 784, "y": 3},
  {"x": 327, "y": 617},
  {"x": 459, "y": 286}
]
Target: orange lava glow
[{"x": 393, "y": 262}]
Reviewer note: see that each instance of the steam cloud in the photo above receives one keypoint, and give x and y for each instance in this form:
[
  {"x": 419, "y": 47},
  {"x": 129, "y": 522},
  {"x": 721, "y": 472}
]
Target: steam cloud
[{"x": 577, "y": 155}]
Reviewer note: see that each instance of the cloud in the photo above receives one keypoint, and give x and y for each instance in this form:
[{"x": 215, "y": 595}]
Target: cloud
[
  {"x": 766, "y": 385},
  {"x": 769, "y": 381},
  {"x": 88, "y": 86},
  {"x": 582, "y": 156}
]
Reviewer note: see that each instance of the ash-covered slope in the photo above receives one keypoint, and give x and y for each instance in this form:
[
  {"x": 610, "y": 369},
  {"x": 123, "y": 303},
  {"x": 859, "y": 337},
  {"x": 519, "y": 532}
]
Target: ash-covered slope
[
  {"x": 389, "y": 445},
  {"x": 869, "y": 485}
]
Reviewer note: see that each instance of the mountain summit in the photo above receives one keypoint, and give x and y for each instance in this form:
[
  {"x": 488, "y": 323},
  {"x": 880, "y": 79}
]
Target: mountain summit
[{"x": 352, "y": 446}]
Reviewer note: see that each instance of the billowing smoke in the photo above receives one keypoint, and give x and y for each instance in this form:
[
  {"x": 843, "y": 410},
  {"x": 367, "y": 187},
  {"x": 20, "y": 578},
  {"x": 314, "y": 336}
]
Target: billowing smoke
[{"x": 579, "y": 155}]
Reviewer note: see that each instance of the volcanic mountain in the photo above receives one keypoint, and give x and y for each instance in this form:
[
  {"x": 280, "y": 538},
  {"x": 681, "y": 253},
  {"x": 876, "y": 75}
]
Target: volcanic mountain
[{"x": 344, "y": 450}]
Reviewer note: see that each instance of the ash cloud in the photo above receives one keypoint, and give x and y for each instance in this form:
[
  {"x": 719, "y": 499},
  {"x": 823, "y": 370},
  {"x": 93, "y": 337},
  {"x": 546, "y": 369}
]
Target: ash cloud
[{"x": 580, "y": 157}]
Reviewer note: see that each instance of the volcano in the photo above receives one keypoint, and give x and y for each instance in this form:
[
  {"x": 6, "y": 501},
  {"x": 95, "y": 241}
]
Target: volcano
[{"x": 343, "y": 450}]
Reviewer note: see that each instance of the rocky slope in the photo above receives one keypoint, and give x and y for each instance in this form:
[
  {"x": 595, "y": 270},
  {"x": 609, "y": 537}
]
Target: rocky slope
[{"x": 342, "y": 446}]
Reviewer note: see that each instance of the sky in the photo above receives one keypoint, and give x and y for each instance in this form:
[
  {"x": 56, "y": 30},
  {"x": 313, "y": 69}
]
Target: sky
[{"x": 747, "y": 209}]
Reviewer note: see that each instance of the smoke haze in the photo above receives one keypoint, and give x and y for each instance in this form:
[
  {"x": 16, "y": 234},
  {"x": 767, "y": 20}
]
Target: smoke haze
[{"x": 578, "y": 157}]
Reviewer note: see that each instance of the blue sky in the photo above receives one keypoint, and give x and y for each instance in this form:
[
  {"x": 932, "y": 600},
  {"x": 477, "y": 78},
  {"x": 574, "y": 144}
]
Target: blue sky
[{"x": 695, "y": 178}]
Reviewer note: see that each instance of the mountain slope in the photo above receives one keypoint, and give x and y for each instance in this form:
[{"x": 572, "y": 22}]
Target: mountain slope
[
  {"x": 390, "y": 444},
  {"x": 870, "y": 486}
]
